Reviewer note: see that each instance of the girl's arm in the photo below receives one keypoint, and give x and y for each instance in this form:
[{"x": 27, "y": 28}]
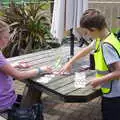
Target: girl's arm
[{"x": 20, "y": 75}]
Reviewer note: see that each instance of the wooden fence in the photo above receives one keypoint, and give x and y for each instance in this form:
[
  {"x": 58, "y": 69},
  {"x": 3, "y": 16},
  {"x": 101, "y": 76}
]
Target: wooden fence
[{"x": 111, "y": 9}]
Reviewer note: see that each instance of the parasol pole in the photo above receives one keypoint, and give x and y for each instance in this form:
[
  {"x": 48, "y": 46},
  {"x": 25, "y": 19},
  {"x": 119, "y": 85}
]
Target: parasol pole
[{"x": 72, "y": 37}]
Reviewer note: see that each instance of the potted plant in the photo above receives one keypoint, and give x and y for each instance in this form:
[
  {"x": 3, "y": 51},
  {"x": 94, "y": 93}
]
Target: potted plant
[{"x": 29, "y": 26}]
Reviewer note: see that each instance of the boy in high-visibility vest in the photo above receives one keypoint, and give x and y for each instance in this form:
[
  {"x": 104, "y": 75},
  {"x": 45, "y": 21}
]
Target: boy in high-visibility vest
[{"x": 106, "y": 52}]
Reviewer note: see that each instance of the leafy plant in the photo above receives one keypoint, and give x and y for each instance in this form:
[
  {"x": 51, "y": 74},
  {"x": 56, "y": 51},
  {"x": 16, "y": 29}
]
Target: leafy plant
[{"x": 29, "y": 26}]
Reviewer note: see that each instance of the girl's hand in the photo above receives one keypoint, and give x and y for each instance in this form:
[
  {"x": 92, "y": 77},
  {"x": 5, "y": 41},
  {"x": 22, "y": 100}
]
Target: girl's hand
[
  {"x": 23, "y": 65},
  {"x": 47, "y": 69}
]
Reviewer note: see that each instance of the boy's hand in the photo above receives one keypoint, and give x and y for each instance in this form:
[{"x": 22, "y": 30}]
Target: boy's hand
[
  {"x": 95, "y": 82},
  {"x": 66, "y": 68}
]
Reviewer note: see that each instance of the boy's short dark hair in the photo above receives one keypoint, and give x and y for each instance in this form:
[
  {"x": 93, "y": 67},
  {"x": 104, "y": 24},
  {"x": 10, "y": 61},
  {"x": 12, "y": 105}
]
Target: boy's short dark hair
[{"x": 92, "y": 18}]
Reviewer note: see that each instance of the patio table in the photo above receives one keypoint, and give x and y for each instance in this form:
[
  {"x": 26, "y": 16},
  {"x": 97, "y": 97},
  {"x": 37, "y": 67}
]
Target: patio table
[{"x": 60, "y": 87}]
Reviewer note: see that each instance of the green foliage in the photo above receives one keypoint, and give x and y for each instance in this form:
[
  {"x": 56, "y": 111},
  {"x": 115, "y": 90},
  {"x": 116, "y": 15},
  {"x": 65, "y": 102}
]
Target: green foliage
[
  {"x": 7, "y": 2},
  {"x": 115, "y": 30},
  {"x": 29, "y": 25}
]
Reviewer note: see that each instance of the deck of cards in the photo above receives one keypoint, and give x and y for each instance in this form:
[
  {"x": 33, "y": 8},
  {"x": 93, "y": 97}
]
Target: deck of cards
[{"x": 80, "y": 79}]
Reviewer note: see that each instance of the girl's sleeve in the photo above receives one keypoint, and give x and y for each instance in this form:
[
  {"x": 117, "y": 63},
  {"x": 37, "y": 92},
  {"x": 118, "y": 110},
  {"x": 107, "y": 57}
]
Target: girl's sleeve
[{"x": 3, "y": 60}]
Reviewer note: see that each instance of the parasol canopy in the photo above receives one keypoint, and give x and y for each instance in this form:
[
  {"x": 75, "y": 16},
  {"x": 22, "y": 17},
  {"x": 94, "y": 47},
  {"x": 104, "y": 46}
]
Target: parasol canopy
[{"x": 66, "y": 16}]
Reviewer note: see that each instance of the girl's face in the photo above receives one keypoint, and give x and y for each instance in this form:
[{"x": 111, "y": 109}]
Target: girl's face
[{"x": 4, "y": 38}]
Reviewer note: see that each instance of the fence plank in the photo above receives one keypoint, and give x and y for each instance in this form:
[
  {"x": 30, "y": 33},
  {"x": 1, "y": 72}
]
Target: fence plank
[{"x": 110, "y": 9}]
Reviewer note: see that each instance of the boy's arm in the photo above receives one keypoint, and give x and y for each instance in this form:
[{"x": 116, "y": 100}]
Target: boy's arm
[
  {"x": 110, "y": 76},
  {"x": 113, "y": 61},
  {"x": 83, "y": 52}
]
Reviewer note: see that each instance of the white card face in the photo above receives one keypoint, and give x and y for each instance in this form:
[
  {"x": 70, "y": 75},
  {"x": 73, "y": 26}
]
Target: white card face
[
  {"x": 46, "y": 78},
  {"x": 80, "y": 75},
  {"x": 78, "y": 84},
  {"x": 80, "y": 80}
]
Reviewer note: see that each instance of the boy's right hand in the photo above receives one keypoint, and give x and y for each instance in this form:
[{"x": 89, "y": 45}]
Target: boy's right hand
[{"x": 65, "y": 68}]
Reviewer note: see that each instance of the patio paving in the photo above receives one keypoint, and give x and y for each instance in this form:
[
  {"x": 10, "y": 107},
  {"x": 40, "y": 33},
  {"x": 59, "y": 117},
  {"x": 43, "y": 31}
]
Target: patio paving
[{"x": 56, "y": 110}]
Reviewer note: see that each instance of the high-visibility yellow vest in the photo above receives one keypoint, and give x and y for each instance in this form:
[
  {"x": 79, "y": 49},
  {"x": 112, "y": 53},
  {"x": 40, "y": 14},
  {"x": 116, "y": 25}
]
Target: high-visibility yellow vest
[{"x": 100, "y": 64}]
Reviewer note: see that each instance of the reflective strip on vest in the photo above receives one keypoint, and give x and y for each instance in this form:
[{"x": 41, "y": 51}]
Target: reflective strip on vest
[
  {"x": 105, "y": 90},
  {"x": 102, "y": 72}
]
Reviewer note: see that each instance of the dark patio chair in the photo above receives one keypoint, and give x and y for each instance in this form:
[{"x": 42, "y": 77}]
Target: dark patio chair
[{"x": 4, "y": 113}]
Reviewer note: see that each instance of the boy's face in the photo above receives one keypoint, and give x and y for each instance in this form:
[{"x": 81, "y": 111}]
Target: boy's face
[
  {"x": 4, "y": 38},
  {"x": 93, "y": 33},
  {"x": 82, "y": 33}
]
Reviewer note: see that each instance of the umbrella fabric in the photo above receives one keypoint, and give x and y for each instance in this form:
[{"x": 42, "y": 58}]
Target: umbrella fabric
[
  {"x": 57, "y": 28},
  {"x": 69, "y": 14},
  {"x": 80, "y": 6},
  {"x": 66, "y": 15}
]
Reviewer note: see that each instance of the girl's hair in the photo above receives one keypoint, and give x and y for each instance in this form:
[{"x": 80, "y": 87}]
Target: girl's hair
[
  {"x": 92, "y": 18},
  {"x": 3, "y": 26}
]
